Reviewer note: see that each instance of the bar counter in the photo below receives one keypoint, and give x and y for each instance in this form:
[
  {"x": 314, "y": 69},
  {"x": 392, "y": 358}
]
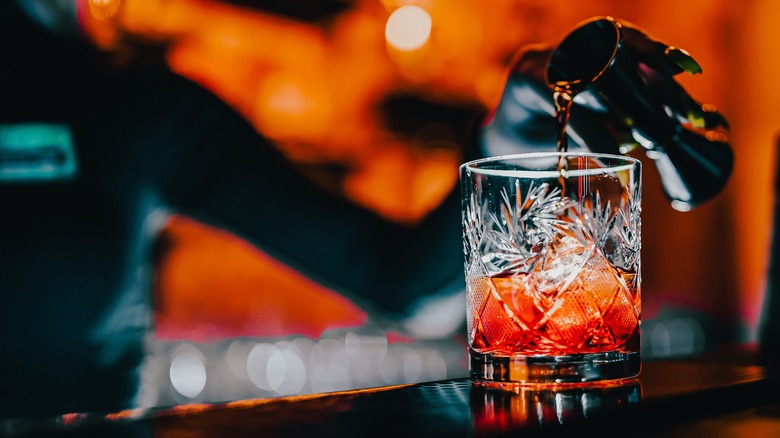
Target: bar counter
[{"x": 724, "y": 393}]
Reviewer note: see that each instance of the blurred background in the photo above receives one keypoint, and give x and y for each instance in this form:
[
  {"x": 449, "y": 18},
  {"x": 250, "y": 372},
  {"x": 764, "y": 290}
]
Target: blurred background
[{"x": 370, "y": 99}]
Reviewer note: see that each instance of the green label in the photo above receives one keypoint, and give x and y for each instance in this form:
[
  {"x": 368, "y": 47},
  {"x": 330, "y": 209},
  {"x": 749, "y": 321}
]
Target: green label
[{"x": 39, "y": 152}]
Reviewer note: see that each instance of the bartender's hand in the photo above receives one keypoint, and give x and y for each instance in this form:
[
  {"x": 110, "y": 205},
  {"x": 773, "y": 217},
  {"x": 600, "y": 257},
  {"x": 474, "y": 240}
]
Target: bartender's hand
[
  {"x": 526, "y": 113},
  {"x": 633, "y": 101}
]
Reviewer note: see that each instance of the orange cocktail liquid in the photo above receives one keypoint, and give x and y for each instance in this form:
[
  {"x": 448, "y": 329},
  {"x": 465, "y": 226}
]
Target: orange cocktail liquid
[{"x": 596, "y": 311}]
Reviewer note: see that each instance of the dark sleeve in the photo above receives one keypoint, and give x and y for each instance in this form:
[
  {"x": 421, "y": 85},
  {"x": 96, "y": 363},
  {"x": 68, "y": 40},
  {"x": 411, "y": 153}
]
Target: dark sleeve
[{"x": 238, "y": 181}]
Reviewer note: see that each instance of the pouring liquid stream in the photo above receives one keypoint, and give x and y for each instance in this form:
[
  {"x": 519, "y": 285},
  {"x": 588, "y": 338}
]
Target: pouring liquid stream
[{"x": 563, "y": 95}]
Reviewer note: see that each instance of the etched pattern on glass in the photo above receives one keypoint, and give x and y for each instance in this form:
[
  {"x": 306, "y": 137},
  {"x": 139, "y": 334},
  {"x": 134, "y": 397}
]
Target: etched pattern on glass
[{"x": 548, "y": 274}]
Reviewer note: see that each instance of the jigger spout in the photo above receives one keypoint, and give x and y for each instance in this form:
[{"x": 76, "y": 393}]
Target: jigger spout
[{"x": 624, "y": 77}]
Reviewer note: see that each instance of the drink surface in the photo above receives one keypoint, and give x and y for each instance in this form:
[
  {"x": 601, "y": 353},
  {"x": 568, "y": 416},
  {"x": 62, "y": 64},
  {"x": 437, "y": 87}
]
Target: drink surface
[{"x": 571, "y": 302}]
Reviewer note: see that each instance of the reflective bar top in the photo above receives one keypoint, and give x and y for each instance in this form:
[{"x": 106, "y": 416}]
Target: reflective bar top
[{"x": 723, "y": 393}]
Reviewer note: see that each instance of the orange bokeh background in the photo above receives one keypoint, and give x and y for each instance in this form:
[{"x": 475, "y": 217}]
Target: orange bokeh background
[{"x": 313, "y": 86}]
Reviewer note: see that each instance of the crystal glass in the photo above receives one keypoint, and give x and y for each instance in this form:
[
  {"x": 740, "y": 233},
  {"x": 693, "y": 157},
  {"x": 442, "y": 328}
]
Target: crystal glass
[{"x": 552, "y": 266}]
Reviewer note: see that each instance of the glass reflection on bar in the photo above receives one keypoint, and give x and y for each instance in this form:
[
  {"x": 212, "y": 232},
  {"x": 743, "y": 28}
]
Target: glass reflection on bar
[{"x": 496, "y": 410}]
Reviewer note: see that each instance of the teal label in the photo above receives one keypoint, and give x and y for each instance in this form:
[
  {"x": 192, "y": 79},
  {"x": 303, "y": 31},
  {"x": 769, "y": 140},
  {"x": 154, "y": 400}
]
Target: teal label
[{"x": 39, "y": 152}]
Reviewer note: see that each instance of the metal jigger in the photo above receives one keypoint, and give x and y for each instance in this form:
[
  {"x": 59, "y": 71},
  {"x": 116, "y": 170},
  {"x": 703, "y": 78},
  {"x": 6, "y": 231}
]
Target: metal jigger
[{"x": 624, "y": 79}]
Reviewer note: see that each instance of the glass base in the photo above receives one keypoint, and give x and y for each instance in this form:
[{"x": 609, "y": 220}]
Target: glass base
[{"x": 611, "y": 367}]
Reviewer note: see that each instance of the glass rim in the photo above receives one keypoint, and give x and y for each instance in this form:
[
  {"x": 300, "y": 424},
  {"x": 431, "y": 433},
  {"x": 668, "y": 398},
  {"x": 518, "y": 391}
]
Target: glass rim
[{"x": 476, "y": 166}]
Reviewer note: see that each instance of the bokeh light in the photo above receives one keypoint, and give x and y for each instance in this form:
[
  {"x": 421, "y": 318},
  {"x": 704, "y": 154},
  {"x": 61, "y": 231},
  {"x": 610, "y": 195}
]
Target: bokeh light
[
  {"x": 408, "y": 28},
  {"x": 188, "y": 370},
  {"x": 257, "y": 364},
  {"x": 285, "y": 369}
]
